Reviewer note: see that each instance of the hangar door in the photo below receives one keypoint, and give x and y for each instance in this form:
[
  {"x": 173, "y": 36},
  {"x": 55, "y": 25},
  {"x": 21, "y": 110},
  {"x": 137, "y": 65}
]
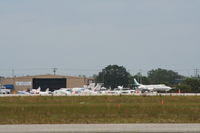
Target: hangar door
[{"x": 51, "y": 83}]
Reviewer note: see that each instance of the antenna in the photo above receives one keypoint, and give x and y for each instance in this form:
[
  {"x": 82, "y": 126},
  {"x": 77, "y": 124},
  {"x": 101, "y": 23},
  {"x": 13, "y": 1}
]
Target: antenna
[
  {"x": 13, "y": 78},
  {"x": 140, "y": 76},
  {"x": 196, "y": 73}
]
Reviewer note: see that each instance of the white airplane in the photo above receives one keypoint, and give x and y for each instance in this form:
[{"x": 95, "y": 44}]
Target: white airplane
[
  {"x": 23, "y": 92},
  {"x": 62, "y": 91},
  {"x": 122, "y": 90},
  {"x": 87, "y": 89},
  {"x": 158, "y": 87},
  {"x": 35, "y": 91},
  {"x": 44, "y": 92},
  {"x": 95, "y": 89}
]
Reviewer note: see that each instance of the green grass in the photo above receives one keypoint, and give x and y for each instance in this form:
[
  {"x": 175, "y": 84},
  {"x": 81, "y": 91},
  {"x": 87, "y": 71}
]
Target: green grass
[{"x": 99, "y": 109}]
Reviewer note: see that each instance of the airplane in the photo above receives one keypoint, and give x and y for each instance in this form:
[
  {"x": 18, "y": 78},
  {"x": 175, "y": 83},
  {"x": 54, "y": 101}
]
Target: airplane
[
  {"x": 151, "y": 88},
  {"x": 77, "y": 90},
  {"x": 23, "y": 92},
  {"x": 35, "y": 91},
  {"x": 122, "y": 90},
  {"x": 44, "y": 92},
  {"x": 88, "y": 89},
  {"x": 63, "y": 91},
  {"x": 95, "y": 89}
]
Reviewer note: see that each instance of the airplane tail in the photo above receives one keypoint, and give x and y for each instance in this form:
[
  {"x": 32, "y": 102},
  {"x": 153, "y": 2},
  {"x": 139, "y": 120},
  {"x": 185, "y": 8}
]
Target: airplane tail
[
  {"x": 136, "y": 83},
  {"x": 47, "y": 90},
  {"x": 98, "y": 86},
  {"x": 120, "y": 87},
  {"x": 38, "y": 89}
]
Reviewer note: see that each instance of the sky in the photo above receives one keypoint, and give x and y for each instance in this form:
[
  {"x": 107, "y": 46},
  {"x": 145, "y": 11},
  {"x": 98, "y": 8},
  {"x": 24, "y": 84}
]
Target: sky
[{"x": 81, "y": 37}]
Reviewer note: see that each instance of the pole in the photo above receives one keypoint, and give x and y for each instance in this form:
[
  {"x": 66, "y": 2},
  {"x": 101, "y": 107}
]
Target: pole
[
  {"x": 54, "y": 71},
  {"x": 13, "y": 77}
]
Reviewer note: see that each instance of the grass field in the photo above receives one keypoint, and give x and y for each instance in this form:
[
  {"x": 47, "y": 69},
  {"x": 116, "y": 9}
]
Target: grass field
[{"x": 99, "y": 109}]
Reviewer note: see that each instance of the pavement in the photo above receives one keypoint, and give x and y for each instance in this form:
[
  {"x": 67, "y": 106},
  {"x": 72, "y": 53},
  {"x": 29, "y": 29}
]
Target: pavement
[
  {"x": 101, "y": 128},
  {"x": 133, "y": 94}
]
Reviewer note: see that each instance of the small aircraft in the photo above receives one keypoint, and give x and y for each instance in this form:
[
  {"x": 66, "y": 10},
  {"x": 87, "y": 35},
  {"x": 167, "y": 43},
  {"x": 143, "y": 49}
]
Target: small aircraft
[
  {"x": 88, "y": 89},
  {"x": 46, "y": 92},
  {"x": 62, "y": 91},
  {"x": 23, "y": 92},
  {"x": 35, "y": 91},
  {"x": 122, "y": 90},
  {"x": 157, "y": 87}
]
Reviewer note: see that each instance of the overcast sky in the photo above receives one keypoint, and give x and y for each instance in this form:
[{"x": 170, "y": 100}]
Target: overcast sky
[{"x": 84, "y": 36}]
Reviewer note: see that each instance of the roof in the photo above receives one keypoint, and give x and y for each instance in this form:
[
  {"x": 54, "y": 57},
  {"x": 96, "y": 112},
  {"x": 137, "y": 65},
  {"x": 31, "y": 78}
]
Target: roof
[{"x": 50, "y": 76}]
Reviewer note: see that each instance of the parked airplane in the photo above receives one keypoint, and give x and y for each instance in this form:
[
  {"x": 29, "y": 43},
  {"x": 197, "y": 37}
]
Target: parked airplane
[
  {"x": 122, "y": 90},
  {"x": 35, "y": 91},
  {"x": 62, "y": 91},
  {"x": 77, "y": 90},
  {"x": 88, "y": 89},
  {"x": 23, "y": 92},
  {"x": 44, "y": 92},
  {"x": 158, "y": 87}
]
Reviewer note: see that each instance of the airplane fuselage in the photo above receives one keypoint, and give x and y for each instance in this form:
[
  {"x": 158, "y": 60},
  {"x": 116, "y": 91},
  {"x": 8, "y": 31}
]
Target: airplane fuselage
[{"x": 160, "y": 87}]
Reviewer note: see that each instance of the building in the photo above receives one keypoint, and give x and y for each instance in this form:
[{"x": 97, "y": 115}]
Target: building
[{"x": 52, "y": 82}]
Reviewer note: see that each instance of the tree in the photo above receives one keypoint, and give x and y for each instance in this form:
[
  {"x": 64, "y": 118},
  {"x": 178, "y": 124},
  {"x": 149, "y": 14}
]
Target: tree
[
  {"x": 163, "y": 76},
  {"x": 113, "y": 76},
  {"x": 183, "y": 87},
  {"x": 193, "y": 83}
]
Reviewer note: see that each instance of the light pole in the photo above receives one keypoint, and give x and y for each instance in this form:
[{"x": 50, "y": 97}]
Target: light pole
[{"x": 54, "y": 71}]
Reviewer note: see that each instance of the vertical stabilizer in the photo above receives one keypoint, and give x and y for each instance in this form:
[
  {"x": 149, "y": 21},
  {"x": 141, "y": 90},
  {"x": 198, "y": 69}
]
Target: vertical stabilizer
[
  {"x": 47, "y": 90},
  {"x": 136, "y": 83},
  {"x": 38, "y": 89}
]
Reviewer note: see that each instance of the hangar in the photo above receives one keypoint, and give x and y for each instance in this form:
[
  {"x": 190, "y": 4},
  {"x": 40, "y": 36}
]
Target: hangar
[{"x": 52, "y": 82}]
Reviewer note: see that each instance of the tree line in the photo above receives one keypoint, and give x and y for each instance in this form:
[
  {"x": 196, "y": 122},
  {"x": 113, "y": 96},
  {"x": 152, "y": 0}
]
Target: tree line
[{"x": 113, "y": 76}]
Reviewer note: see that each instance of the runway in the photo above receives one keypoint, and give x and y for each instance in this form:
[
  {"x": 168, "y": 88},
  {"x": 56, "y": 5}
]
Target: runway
[
  {"x": 134, "y": 94},
  {"x": 101, "y": 128}
]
